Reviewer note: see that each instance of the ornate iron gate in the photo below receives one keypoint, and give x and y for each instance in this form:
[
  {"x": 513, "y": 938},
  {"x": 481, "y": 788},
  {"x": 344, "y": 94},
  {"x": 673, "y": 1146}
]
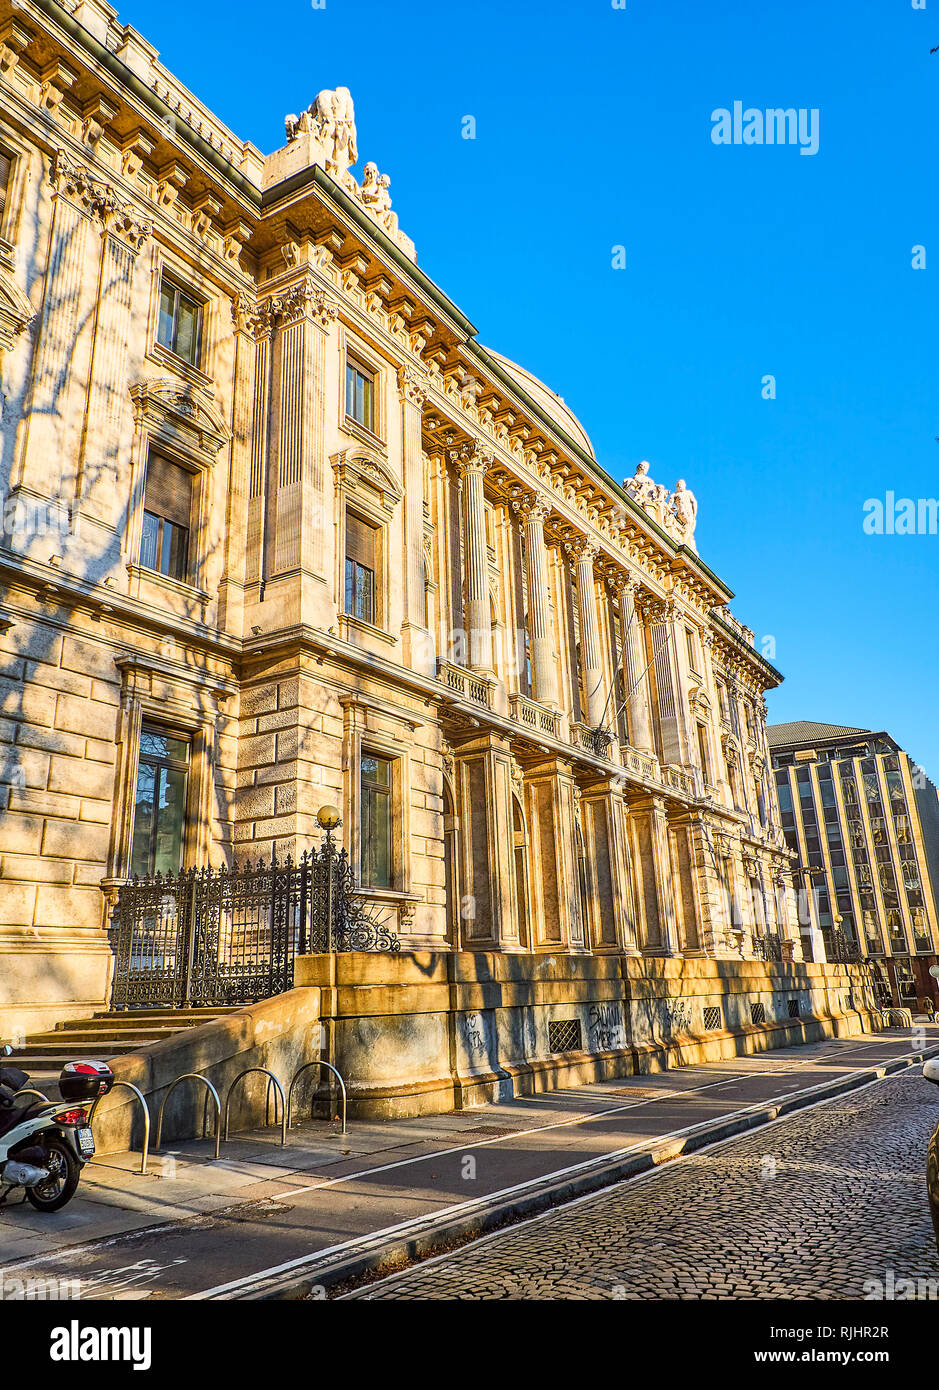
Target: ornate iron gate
[{"x": 229, "y": 936}]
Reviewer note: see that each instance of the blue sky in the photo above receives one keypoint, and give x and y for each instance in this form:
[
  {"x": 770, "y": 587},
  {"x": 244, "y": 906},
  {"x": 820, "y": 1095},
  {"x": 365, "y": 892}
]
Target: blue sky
[{"x": 593, "y": 130}]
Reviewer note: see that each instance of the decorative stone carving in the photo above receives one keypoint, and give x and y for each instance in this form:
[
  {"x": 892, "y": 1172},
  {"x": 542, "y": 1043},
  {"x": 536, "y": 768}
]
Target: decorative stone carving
[
  {"x": 99, "y": 200},
  {"x": 676, "y": 513},
  {"x": 471, "y": 456},
  {"x": 411, "y": 387},
  {"x": 188, "y": 412},
  {"x": 292, "y": 304},
  {"x": 331, "y": 118},
  {"x": 15, "y": 309},
  {"x": 374, "y": 196},
  {"x": 685, "y": 507}
]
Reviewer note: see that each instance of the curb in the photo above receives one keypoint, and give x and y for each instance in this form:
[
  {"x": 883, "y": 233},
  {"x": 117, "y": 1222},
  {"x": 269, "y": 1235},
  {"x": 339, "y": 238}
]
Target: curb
[{"x": 421, "y": 1238}]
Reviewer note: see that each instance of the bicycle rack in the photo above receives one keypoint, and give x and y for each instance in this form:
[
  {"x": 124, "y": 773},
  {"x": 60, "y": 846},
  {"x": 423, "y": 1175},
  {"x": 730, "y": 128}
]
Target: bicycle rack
[
  {"x": 31, "y": 1091},
  {"x": 210, "y": 1089},
  {"x": 299, "y": 1072},
  {"x": 280, "y": 1091},
  {"x": 146, "y": 1119}
]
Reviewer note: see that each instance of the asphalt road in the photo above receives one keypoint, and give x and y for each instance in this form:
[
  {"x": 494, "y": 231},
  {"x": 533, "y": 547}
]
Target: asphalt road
[{"x": 826, "y": 1204}]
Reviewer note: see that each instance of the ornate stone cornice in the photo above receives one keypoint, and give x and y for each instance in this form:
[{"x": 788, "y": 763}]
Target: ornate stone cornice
[{"x": 99, "y": 200}]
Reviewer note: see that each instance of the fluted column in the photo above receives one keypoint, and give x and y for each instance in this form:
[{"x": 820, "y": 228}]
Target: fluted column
[
  {"x": 473, "y": 462},
  {"x": 591, "y": 659},
  {"x": 544, "y": 676},
  {"x": 639, "y": 718}
]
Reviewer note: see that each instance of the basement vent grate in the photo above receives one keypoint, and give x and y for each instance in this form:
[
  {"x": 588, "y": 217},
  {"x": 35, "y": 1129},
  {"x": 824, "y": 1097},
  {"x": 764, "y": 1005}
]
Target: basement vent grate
[
  {"x": 712, "y": 1018},
  {"x": 758, "y": 1013},
  {"x": 564, "y": 1035},
  {"x": 794, "y": 1011}
]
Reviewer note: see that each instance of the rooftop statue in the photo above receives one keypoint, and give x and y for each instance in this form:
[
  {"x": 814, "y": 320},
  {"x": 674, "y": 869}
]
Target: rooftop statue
[
  {"x": 685, "y": 506},
  {"x": 375, "y": 196},
  {"x": 331, "y": 118},
  {"x": 676, "y": 513}
]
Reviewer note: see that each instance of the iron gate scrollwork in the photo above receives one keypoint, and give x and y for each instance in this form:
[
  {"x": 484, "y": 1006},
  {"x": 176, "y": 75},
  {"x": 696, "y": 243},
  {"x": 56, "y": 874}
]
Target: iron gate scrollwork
[{"x": 230, "y": 936}]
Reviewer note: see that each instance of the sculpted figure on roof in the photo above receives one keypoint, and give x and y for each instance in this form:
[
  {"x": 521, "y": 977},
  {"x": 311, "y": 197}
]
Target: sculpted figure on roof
[{"x": 331, "y": 118}]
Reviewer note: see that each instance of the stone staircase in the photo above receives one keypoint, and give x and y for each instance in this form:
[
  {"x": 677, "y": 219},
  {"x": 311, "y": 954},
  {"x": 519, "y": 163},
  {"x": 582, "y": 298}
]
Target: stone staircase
[{"x": 100, "y": 1038}]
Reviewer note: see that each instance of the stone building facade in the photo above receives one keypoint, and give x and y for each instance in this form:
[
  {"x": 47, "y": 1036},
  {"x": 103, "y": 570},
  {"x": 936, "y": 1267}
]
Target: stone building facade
[
  {"x": 278, "y": 531},
  {"x": 863, "y": 819}
]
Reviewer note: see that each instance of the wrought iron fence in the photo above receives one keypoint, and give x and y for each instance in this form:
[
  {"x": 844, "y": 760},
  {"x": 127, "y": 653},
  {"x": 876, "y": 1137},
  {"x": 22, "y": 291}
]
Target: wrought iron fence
[
  {"x": 230, "y": 936},
  {"x": 768, "y": 947},
  {"x": 840, "y": 948}
]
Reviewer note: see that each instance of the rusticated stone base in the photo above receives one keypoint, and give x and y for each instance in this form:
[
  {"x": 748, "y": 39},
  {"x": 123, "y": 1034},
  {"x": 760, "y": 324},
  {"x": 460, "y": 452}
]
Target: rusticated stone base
[{"x": 420, "y": 1033}]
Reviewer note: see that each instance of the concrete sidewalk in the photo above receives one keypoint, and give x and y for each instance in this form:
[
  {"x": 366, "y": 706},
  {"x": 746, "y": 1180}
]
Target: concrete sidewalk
[{"x": 267, "y": 1221}]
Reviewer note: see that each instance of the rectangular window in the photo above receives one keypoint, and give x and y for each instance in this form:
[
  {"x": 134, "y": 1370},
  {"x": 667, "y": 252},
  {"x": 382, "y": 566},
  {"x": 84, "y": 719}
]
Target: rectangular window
[
  {"x": 160, "y": 802},
  {"x": 361, "y": 564},
  {"x": 703, "y": 752},
  {"x": 360, "y": 394},
  {"x": 167, "y": 519},
  {"x": 180, "y": 325},
  {"x": 376, "y": 822}
]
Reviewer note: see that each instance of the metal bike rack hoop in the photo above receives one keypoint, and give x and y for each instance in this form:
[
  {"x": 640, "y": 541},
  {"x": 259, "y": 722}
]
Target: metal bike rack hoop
[
  {"x": 280, "y": 1091},
  {"x": 146, "y": 1118},
  {"x": 210, "y": 1090},
  {"x": 299, "y": 1072}
]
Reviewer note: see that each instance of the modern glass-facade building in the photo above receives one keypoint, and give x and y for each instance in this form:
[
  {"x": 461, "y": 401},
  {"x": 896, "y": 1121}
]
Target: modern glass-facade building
[{"x": 864, "y": 821}]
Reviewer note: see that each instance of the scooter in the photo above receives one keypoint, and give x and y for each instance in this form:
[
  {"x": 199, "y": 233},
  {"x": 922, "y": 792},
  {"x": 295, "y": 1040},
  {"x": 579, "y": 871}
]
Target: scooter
[{"x": 44, "y": 1144}]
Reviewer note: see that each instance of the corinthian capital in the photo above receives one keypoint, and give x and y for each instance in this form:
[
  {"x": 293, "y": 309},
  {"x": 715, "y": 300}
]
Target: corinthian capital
[
  {"x": 471, "y": 456},
  {"x": 533, "y": 506},
  {"x": 99, "y": 200},
  {"x": 411, "y": 387},
  {"x": 583, "y": 549}
]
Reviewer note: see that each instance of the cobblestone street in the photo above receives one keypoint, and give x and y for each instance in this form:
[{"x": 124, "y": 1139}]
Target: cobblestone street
[{"x": 810, "y": 1208}]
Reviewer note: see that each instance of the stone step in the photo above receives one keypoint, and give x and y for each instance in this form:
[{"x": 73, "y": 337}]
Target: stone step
[{"x": 102, "y": 1037}]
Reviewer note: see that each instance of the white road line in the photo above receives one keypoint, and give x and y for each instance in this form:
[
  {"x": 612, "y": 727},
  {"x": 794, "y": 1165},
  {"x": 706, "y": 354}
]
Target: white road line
[
  {"x": 542, "y": 1129},
  {"x": 319, "y": 1257},
  {"x": 640, "y": 1179}
]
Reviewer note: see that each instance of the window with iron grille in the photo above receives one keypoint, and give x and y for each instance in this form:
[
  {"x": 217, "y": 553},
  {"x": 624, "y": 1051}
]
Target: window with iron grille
[
  {"x": 712, "y": 1018},
  {"x": 794, "y": 1008},
  {"x": 757, "y": 1013},
  {"x": 564, "y": 1035}
]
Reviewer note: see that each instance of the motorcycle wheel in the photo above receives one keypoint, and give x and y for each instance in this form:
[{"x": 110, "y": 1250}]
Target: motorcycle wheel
[{"x": 59, "y": 1187}]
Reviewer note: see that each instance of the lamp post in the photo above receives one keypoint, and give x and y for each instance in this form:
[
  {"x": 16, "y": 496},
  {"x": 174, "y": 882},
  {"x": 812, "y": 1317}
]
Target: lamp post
[{"x": 328, "y": 818}]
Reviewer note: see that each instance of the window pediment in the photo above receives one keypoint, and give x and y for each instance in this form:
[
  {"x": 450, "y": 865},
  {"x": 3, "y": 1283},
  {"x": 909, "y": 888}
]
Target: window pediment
[
  {"x": 15, "y": 309},
  {"x": 184, "y": 416},
  {"x": 361, "y": 470}
]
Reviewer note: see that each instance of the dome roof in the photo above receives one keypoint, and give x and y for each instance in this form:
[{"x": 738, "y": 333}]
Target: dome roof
[{"x": 551, "y": 403}]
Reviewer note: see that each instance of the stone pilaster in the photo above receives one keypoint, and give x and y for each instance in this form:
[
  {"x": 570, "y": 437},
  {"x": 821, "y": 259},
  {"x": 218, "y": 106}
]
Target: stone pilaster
[
  {"x": 556, "y": 898},
  {"x": 418, "y": 644},
  {"x": 544, "y": 676},
  {"x": 488, "y": 912},
  {"x": 108, "y": 412},
  {"x": 650, "y": 828}
]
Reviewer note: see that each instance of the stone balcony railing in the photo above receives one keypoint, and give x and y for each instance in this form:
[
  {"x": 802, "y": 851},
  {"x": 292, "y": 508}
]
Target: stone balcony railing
[
  {"x": 595, "y": 741},
  {"x": 468, "y": 684},
  {"x": 679, "y": 779},
  {"x": 535, "y": 716},
  {"x": 643, "y": 764}
]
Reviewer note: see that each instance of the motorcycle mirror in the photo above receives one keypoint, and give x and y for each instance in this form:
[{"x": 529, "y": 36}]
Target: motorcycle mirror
[
  {"x": 6, "y": 1050},
  {"x": 931, "y": 1070}
]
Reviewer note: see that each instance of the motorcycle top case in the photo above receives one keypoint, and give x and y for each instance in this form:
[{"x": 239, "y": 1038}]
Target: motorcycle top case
[{"x": 85, "y": 1080}]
